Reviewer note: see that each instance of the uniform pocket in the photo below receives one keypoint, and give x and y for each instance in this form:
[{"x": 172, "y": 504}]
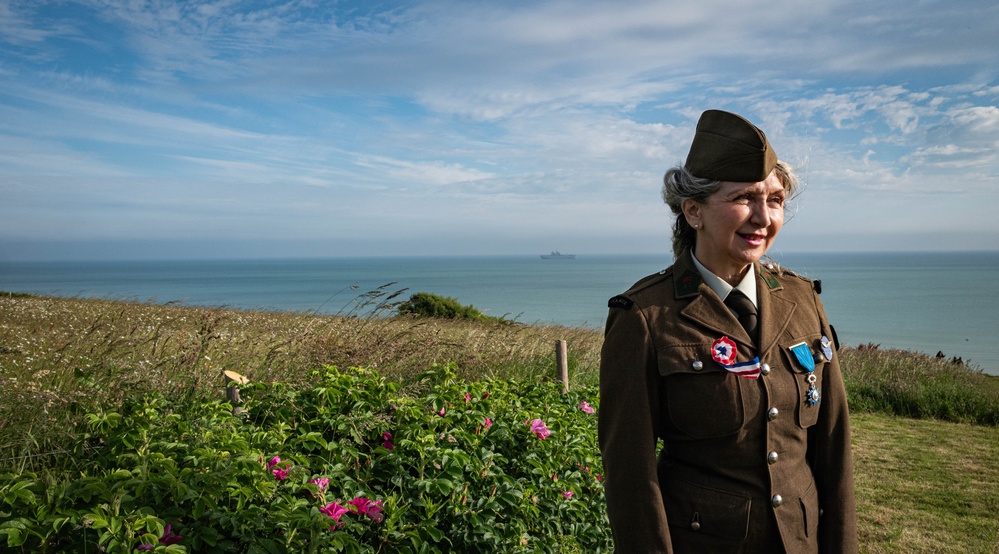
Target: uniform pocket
[
  {"x": 703, "y": 400},
  {"x": 706, "y": 510},
  {"x": 807, "y": 361},
  {"x": 810, "y": 511}
]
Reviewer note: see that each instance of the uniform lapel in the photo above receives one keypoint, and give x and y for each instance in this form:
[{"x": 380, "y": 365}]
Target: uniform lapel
[
  {"x": 775, "y": 310},
  {"x": 708, "y": 310},
  {"x": 705, "y": 308}
]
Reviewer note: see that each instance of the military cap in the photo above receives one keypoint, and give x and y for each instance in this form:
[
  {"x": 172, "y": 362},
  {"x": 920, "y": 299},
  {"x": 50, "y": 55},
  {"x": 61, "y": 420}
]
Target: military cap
[{"x": 727, "y": 147}]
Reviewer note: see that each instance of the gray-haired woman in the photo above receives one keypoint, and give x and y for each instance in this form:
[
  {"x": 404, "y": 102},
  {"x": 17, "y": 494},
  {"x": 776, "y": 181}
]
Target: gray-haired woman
[{"x": 732, "y": 365}]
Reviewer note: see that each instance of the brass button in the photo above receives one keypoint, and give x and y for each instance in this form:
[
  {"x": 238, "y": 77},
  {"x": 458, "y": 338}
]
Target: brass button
[
  {"x": 765, "y": 369},
  {"x": 772, "y": 458},
  {"x": 776, "y": 501},
  {"x": 697, "y": 365},
  {"x": 695, "y": 526},
  {"x": 772, "y": 413}
]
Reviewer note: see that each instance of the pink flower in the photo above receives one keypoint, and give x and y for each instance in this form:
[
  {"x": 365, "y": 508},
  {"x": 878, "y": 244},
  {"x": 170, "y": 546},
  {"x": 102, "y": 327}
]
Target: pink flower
[
  {"x": 169, "y": 538},
  {"x": 281, "y": 474},
  {"x": 321, "y": 483},
  {"x": 387, "y": 440},
  {"x": 274, "y": 461},
  {"x": 335, "y": 512},
  {"x": 440, "y": 413},
  {"x": 600, "y": 478},
  {"x": 567, "y": 494},
  {"x": 468, "y": 397},
  {"x": 487, "y": 423},
  {"x": 365, "y": 506},
  {"x": 586, "y": 407},
  {"x": 539, "y": 428},
  {"x": 166, "y": 539},
  {"x": 485, "y": 395}
]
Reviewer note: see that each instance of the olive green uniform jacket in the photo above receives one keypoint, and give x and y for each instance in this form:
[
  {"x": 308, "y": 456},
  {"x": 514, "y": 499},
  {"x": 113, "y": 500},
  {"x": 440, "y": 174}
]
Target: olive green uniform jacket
[{"x": 746, "y": 465}]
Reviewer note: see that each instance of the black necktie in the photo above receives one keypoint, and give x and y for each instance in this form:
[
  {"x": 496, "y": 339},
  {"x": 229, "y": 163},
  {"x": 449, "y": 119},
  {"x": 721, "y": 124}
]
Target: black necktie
[{"x": 745, "y": 310}]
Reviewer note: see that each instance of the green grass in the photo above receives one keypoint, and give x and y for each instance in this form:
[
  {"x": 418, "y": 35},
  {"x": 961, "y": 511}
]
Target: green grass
[
  {"x": 926, "y": 437},
  {"x": 919, "y": 386},
  {"x": 925, "y": 486}
]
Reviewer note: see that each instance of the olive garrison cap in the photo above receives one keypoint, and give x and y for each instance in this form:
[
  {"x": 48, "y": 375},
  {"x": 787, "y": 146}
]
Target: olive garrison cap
[{"x": 726, "y": 147}]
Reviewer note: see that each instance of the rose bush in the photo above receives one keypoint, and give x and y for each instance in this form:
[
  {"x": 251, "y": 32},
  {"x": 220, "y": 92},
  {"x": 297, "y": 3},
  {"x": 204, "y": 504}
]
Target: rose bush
[{"x": 351, "y": 464}]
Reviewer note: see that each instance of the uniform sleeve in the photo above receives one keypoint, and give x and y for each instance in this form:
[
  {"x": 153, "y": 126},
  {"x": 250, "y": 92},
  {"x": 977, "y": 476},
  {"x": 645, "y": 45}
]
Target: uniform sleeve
[
  {"x": 627, "y": 431},
  {"x": 832, "y": 462}
]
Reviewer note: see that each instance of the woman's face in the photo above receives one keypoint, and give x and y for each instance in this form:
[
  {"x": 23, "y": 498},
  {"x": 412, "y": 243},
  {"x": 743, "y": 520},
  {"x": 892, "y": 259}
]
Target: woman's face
[{"x": 736, "y": 225}]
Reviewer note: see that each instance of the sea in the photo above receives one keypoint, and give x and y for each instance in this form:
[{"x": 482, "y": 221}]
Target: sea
[{"x": 925, "y": 302}]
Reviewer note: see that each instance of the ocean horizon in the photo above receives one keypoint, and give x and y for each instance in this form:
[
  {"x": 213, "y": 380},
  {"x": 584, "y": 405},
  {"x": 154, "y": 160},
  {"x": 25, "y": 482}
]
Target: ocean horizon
[{"x": 927, "y": 302}]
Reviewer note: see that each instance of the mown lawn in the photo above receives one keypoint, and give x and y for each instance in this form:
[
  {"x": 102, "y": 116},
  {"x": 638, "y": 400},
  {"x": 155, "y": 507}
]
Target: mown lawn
[{"x": 926, "y": 486}]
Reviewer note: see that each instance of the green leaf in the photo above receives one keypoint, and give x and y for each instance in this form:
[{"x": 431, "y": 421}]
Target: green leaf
[{"x": 19, "y": 491}]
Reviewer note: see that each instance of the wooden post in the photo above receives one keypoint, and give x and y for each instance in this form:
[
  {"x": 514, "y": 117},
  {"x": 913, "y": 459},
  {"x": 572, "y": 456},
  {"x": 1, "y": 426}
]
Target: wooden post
[
  {"x": 232, "y": 382},
  {"x": 562, "y": 364}
]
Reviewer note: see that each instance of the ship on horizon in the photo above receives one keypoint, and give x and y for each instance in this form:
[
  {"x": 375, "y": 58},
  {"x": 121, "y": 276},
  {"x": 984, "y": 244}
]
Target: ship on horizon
[{"x": 556, "y": 255}]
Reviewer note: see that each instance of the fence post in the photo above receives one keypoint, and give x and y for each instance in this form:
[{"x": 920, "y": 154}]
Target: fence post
[
  {"x": 562, "y": 363},
  {"x": 232, "y": 382}
]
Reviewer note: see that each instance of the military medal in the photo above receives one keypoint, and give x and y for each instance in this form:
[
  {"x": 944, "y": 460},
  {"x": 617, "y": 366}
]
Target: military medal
[
  {"x": 723, "y": 352},
  {"x": 813, "y": 396},
  {"x": 804, "y": 356},
  {"x": 827, "y": 347}
]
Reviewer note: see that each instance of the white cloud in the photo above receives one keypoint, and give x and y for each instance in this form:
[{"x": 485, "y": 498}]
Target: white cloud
[{"x": 490, "y": 112}]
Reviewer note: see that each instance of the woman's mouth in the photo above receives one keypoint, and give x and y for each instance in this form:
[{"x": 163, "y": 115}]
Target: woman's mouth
[{"x": 754, "y": 239}]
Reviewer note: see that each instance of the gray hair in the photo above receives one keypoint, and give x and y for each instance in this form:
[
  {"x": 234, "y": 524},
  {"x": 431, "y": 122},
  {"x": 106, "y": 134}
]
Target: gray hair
[{"x": 680, "y": 185}]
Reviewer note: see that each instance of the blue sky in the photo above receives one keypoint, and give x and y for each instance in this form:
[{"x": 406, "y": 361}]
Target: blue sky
[{"x": 157, "y": 129}]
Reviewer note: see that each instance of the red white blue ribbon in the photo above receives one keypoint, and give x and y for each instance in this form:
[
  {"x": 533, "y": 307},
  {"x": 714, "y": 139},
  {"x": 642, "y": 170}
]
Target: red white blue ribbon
[
  {"x": 723, "y": 352},
  {"x": 749, "y": 370}
]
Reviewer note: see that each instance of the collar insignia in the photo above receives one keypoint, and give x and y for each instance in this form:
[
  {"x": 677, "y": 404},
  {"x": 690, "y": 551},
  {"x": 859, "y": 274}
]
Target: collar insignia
[
  {"x": 688, "y": 283},
  {"x": 770, "y": 280}
]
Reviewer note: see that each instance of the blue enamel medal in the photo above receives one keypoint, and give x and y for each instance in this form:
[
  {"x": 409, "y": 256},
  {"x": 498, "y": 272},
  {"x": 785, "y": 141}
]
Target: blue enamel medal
[
  {"x": 813, "y": 396},
  {"x": 803, "y": 354},
  {"x": 826, "y": 347}
]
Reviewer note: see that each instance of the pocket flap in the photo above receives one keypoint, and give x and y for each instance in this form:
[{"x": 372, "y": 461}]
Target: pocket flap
[{"x": 718, "y": 513}]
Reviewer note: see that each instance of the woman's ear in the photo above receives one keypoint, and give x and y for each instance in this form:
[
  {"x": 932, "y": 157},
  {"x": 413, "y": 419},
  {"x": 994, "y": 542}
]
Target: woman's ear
[{"x": 692, "y": 212}]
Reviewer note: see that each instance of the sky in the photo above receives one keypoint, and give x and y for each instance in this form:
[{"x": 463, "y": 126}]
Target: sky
[{"x": 138, "y": 129}]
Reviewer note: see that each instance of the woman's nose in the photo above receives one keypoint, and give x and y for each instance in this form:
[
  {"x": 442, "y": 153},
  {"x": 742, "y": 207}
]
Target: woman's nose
[{"x": 760, "y": 215}]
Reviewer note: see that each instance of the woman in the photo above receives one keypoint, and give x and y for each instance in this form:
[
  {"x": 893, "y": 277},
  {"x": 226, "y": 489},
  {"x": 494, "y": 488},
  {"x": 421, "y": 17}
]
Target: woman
[{"x": 732, "y": 365}]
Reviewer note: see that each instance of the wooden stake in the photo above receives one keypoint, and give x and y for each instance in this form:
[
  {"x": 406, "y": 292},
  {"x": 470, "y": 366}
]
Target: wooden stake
[
  {"x": 562, "y": 363},
  {"x": 232, "y": 382}
]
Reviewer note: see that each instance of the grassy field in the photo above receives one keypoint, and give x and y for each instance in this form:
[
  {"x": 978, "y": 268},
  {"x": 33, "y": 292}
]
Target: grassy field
[
  {"x": 926, "y": 438},
  {"x": 925, "y": 486}
]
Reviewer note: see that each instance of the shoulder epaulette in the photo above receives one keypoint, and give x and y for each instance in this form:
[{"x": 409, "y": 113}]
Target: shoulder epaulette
[
  {"x": 622, "y": 300},
  {"x": 650, "y": 280},
  {"x": 779, "y": 270}
]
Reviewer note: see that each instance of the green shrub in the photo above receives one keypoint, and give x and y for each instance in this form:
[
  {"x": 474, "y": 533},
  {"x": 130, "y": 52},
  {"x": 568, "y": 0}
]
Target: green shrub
[
  {"x": 425, "y": 304},
  {"x": 453, "y": 467}
]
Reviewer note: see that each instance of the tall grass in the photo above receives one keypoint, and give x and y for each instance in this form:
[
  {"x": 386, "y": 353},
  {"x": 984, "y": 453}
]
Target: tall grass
[
  {"x": 916, "y": 385},
  {"x": 61, "y": 358}
]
